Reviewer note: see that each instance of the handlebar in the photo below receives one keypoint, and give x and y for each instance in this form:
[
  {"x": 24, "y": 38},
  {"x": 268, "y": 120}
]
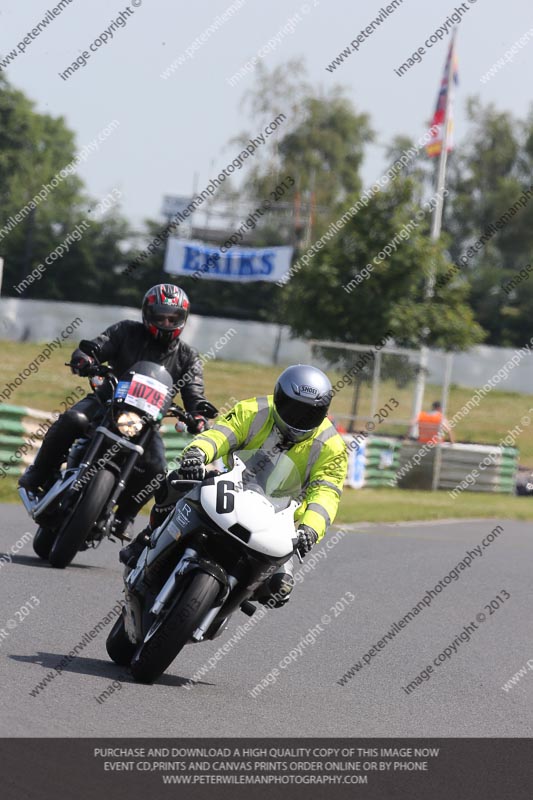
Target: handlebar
[
  {"x": 96, "y": 370},
  {"x": 184, "y": 484},
  {"x": 179, "y": 413},
  {"x": 182, "y": 416},
  {"x": 99, "y": 376},
  {"x": 101, "y": 370},
  {"x": 204, "y": 409}
]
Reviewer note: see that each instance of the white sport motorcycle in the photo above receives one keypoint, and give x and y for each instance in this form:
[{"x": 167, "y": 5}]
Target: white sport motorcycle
[{"x": 225, "y": 537}]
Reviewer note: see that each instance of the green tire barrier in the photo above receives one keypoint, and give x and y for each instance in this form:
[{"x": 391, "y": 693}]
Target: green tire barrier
[
  {"x": 465, "y": 467},
  {"x": 381, "y": 461},
  {"x": 373, "y": 462}
]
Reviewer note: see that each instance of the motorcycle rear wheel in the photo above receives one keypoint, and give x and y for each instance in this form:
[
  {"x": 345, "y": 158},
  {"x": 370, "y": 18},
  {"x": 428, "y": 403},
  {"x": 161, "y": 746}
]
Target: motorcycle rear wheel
[
  {"x": 76, "y": 529},
  {"x": 174, "y": 631}
]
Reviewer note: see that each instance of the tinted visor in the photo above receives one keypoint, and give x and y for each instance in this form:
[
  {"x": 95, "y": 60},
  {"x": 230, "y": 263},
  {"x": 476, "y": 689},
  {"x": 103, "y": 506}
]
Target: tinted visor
[
  {"x": 167, "y": 318},
  {"x": 297, "y": 414}
]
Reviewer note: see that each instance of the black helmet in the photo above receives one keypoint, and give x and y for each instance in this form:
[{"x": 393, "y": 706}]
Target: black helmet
[
  {"x": 165, "y": 310},
  {"x": 302, "y": 396}
]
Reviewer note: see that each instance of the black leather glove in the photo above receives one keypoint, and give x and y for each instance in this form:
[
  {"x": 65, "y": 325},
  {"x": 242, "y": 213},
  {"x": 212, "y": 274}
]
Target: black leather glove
[
  {"x": 198, "y": 425},
  {"x": 307, "y": 537},
  {"x": 192, "y": 466},
  {"x": 80, "y": 364}
]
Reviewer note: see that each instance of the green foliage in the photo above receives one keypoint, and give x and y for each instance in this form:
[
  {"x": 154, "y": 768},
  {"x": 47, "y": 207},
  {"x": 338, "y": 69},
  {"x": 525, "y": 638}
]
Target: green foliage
[
  {"x": 487, "y": 177},
  {"x": 324, "y": 152},
  {"x": 34, "y": 148},
  {"x": 320, "y": 145},
  {"x": 320, "y": 303}
]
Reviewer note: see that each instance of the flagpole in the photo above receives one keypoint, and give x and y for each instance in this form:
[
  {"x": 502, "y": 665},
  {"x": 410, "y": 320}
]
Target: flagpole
[{"x": 436, "y": 228}]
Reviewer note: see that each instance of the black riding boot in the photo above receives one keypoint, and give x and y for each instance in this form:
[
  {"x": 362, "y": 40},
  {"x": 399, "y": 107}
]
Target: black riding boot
[
  {"x": 129, "y": 555},
  {"x": 54, "y": 449}
]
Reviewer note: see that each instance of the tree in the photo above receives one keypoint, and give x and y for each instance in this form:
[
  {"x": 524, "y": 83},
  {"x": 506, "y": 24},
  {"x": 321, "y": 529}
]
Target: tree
[
  {"x": 488, "y": 175},
  {"x": 35, "y": 149},
  {"x": 347, "y": 296},
  {"x": 321, "y": 144}
]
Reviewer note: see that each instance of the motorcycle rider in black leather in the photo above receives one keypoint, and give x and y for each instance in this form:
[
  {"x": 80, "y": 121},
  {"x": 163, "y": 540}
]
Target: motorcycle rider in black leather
[{"x": 165, "y": 309}]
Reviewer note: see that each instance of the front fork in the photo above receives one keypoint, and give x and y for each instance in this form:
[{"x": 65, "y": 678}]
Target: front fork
[
  {"x": 190, "y": 562},
  {"x": 127, "y": 467}
]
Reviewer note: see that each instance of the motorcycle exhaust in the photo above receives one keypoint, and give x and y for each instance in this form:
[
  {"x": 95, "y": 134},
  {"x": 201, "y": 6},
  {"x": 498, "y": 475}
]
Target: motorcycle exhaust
[
  {"x": 58, "y": 488},
  {"x": 29, "y": 505}
]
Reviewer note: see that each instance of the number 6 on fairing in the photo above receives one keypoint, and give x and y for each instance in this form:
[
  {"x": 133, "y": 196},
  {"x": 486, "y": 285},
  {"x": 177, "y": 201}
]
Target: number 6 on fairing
[{"x": 225, "y": 502}]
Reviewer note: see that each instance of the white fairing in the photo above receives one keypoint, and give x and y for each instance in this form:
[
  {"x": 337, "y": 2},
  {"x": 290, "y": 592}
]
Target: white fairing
[{"x": 271, "y": 531}]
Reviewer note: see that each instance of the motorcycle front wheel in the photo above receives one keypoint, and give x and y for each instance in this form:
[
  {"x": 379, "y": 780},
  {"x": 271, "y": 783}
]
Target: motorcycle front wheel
[
  {"x": 78, "y": 526},
  {"x": 118, "y": 646},
  {"x": 43, "y": 541},
  {"x": 174, "y": 629}
]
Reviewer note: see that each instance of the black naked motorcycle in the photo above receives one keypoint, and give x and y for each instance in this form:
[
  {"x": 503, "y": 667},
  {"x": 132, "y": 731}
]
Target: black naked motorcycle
[{"x": 77, "y": 509}]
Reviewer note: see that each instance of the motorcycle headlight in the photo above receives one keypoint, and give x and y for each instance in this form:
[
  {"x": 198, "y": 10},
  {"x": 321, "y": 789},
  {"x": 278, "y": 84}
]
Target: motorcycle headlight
[{"x": 129, "y": 423}]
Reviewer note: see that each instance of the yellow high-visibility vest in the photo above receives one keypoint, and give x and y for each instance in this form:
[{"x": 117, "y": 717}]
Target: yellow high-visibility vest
[{"x": 322, "y": 460}]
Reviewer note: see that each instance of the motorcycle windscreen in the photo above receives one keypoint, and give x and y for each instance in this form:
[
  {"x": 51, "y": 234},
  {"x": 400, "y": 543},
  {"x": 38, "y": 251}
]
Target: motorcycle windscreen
[
  {"x": 147, "y": 387},
  {"x": 273, "y": 474}
]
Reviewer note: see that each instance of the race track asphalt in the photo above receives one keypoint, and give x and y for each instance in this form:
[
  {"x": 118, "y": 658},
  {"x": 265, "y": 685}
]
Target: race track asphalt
[{"x": 385, "y": 568}]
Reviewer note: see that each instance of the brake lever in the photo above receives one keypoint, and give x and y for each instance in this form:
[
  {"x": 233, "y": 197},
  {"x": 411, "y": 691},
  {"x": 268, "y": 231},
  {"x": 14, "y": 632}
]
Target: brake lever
[
  {"x": 99, "y": 369},
  {"x": 184, "y": 420},
  {"x": 297, "y": 553}
]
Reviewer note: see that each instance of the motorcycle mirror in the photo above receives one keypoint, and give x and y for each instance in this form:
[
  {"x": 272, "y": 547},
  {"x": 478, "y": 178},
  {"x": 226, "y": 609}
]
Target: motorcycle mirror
[
  {"x": 90, "y": 348},
  {"x": 206, "y": 409}
]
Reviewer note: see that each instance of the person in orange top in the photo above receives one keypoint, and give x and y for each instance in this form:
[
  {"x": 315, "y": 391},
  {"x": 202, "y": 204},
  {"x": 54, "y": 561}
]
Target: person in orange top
[
  {"x": 340, "y": 428},
  {"x": 432, "y": 425}
]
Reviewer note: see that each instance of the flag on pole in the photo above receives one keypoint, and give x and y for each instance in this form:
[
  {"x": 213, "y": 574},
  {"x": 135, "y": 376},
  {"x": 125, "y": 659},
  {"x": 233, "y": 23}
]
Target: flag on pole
[{"x": 434, "y": 148}]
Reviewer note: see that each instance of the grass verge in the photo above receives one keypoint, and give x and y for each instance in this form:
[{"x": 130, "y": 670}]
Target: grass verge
[{"x": 399, "y": 505}]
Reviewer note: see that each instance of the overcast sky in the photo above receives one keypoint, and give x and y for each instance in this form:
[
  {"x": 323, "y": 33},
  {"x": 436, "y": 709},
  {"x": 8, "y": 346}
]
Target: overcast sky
[{"x": 170, "y": 129}]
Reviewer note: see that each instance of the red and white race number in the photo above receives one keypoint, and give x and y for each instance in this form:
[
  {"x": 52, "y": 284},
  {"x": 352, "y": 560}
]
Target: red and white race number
[{"x": 147, "y": 394}]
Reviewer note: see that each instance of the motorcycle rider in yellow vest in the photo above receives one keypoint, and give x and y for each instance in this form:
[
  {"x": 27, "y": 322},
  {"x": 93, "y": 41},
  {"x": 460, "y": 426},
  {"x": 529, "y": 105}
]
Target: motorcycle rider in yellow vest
[{"x": 293, "y": 420}]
